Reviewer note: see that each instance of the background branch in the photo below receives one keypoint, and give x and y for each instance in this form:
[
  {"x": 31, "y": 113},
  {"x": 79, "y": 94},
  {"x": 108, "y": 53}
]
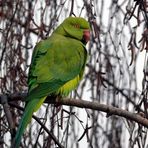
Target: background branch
[{"x": 41, "y": 124}]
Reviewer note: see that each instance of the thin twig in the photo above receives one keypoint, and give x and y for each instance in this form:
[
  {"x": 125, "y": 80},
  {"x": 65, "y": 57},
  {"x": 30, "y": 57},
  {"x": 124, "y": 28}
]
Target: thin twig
[
  {"x": 8, "y": 30},
  {"x": 43, "y": 126},
  {"x": 8, "y": 114},
  {"x": 72, "y": 6}
]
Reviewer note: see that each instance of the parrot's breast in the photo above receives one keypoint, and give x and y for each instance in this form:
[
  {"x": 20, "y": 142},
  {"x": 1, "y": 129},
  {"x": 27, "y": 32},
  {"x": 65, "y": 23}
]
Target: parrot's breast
[{"x": 69, "y": 86}]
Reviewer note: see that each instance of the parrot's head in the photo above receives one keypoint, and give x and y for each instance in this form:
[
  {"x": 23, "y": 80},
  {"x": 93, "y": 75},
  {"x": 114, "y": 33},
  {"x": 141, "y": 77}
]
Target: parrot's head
[{"x": 76, "y": 27}]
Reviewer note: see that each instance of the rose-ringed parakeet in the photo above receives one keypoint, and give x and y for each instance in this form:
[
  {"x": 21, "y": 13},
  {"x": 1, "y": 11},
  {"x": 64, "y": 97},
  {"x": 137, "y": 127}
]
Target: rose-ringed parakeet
[{"x": 57, "y": 66}]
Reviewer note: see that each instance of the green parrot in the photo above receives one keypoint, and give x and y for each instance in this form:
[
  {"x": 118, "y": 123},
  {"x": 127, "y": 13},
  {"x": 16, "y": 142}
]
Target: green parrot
[{"x": 57, "y": 67}]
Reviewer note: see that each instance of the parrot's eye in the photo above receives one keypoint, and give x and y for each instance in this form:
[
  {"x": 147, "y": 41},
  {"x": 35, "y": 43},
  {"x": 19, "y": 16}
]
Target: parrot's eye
[{"x": 76, "y": 26}]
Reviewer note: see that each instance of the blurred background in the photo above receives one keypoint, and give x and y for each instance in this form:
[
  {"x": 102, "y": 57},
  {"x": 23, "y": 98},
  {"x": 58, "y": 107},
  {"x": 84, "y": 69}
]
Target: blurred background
[{"x": 116, "y": 72}]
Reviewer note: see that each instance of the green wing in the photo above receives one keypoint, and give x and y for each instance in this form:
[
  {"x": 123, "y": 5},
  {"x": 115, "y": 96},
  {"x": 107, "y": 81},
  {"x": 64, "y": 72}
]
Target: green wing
[{"x": 55, "y": 61}]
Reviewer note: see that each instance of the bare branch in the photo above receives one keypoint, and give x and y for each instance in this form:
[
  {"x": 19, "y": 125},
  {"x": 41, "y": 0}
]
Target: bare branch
[
  {"x": 8, "y": 114},
  {"x": 110, "y": 110},
  {"x": 42, "y": 125},
  {"x": 72, "y": 6}
]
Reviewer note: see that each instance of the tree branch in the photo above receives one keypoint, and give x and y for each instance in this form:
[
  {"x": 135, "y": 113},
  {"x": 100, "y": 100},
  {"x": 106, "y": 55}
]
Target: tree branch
[{"x": 110, "y": 110}]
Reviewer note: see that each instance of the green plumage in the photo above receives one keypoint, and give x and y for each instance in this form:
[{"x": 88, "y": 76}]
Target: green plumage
[{"x": 57, "y": 67}]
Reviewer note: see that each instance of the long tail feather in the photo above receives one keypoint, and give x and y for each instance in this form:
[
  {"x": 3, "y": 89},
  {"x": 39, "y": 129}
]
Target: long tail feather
[{"x": 31, "y": 107}]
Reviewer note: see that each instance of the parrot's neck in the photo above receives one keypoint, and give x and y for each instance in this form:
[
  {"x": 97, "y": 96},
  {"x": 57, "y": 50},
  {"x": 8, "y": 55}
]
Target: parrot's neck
[
  {"x": 60, "y": 30},
  {"x": 70, "y": 33}
]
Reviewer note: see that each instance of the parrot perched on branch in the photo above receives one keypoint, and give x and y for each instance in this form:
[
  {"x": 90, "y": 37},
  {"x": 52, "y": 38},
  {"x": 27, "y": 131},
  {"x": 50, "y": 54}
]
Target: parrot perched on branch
[{"x": 57, "y": 67}]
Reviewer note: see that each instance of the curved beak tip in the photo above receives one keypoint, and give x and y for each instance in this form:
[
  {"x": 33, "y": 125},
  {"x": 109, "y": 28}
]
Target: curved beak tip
[{"x": 86, "y": 35}]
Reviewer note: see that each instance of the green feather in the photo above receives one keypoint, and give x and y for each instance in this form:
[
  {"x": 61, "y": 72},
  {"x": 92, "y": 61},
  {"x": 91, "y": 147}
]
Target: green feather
[
  {"x": 30, "y": 108},
  {"x": 57, "y": 67}
]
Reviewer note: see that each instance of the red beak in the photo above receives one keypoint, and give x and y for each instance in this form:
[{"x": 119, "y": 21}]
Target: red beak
[{"x": 86, "y": 35}]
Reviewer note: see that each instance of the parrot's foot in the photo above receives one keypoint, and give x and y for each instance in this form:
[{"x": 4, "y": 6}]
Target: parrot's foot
[{"x": 57, "y": 105}]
